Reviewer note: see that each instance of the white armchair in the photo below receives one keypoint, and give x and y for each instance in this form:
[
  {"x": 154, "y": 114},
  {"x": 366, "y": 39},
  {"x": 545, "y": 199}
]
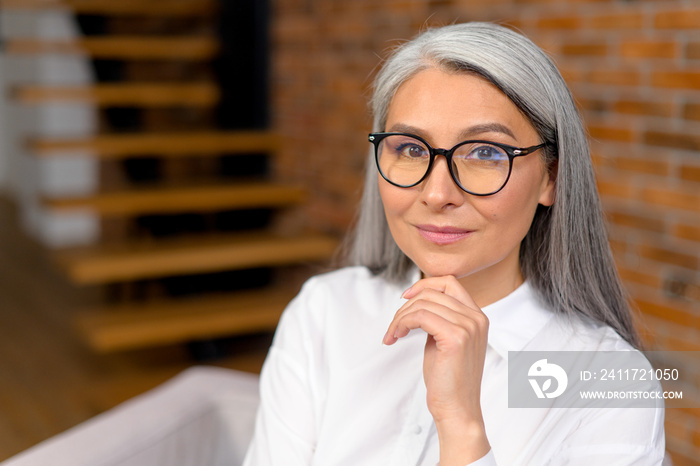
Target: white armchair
[{"x": 202, "y": 417}]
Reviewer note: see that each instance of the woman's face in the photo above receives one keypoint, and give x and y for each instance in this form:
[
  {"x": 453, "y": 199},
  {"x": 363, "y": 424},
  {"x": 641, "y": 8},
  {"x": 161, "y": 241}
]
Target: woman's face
[{"x": 441, "y": 228}]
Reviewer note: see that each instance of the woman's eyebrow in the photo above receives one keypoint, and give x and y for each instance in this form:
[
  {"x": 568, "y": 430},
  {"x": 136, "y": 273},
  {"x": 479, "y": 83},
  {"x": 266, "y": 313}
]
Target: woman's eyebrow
[
  {"x": 486, "y": 128},
  {"x": 402, "y": 128},
  {"x": 468, "y": 133}
]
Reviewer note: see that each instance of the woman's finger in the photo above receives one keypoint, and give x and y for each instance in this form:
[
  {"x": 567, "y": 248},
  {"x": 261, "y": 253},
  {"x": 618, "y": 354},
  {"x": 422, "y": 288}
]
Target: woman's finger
[
  {"x": 451, "y": 312},
  {"x": 431, "y": 322},
  {"x": 449, "y": 285}
]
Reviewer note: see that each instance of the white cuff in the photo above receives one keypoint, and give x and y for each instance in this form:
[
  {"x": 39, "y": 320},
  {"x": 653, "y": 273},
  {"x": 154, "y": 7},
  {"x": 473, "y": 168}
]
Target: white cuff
[{"x": 487, "y": 460}]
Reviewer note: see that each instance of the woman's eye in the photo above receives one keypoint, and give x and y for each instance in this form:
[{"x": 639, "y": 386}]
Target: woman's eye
[
  {"x": 492, "y": 153},
  {"x": 412, "y": 150}
]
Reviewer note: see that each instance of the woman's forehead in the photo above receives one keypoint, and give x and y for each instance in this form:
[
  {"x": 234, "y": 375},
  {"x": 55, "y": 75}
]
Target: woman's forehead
[{"x": 463, "y": 105}]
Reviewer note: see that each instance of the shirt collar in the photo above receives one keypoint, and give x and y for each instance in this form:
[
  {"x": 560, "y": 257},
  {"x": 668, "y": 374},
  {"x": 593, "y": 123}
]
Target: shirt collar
[{"x": 515, "y": 320}]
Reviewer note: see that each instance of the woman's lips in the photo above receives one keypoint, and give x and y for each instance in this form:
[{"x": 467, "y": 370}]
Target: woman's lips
[{"x": 442, "y": 235}]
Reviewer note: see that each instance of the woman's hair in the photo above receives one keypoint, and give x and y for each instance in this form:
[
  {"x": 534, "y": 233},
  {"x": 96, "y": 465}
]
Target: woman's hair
[{"x": 565, "y": 256}]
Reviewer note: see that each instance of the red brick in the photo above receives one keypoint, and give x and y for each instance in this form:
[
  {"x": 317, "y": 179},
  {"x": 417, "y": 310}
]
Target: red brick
[
  {"x": 678, "y": 344},
  {"x": 648, "y": 49},
  {"x": 682, "y": 141},
  {"x": 551, "y": 43},
  {"x": 692, "y": 412},
  {"x": 692, "y": 112},
  {"x": 561, "y": 22},
  {"x": 672, "y": 198},
  {"x": 640, "y": 165},
  {"x": 667, "y": 312},
  {"x": 615, "y": 188},
  {"x": 690, "y": 173},
  {"x": 642, "y": 107},
  {"x": 591, "y": 49},
  {"x": 692, "y": 51},
  {"x": 291, "y": 7},
  {"x": 599, "y": 160},
  {"x": 615, "y": 77},
  {"x": 696, "y": 435},
  {"x": 679, "y": 416},
  {"x": 669, "y": 256},
  {"x": 535, "y": 2},
  {"x": 610, "y": 133},
  {"x": 618, "y": 21},
  {"x": 639, "y": 222},
  {"x": 676, "y": 446},
  {"x": 572, "y": 74},
  {"x": 677, "y": 79},
  {"x": 594, "y": 105},
  {"x": 678, "y": 19},
  {"x": 618, "y": 248},
  {"x": 639, "y": 277},
  {"x": 686, "y": 231}
]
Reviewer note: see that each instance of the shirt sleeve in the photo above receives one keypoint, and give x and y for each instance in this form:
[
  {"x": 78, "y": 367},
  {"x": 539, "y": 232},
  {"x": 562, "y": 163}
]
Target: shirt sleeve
[
  {"x": 285, "y": 429},
  {"x": 616, "y": 437},
  {"x": 613, "y": 437}
]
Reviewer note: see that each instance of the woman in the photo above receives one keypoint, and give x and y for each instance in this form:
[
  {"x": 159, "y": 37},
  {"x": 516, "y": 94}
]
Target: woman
[{"x": 480, "y": 227}]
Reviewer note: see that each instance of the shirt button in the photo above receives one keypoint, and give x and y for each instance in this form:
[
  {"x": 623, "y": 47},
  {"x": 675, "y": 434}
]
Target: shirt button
[{"x": 417, "y": 430}]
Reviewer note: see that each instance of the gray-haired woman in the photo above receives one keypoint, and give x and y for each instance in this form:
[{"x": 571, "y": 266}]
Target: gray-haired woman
[{"x": 480, "y": 229}]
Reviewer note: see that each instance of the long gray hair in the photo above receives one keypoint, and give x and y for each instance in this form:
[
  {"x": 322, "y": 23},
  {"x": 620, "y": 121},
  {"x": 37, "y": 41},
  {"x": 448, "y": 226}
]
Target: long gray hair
[{"x": 565, "y": 256}]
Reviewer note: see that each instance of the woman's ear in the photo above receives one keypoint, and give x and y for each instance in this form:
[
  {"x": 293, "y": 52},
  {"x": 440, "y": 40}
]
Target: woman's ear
[{"x": 549, "y": 184}]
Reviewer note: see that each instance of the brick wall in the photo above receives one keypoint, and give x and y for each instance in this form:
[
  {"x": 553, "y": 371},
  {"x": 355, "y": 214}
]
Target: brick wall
[{"x": 634, "y": 67}]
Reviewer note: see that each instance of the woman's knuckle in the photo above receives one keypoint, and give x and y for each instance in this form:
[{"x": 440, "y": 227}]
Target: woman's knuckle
[
  {"x": 484, "y": 322},
  {"x": 462, "y": 336}
]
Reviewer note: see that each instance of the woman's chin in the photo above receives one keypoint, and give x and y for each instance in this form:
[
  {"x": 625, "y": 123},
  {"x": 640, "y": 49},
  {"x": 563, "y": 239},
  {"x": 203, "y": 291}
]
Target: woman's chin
[{"x": 442, "y": 270}]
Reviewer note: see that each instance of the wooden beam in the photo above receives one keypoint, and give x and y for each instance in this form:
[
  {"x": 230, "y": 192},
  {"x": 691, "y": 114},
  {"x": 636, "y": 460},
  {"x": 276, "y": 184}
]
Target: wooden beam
[
  {"x": 196, "y": 48},
  {"x": 171, "y": 199},
  {"x": 123, "y": 94},
  {"x": 135, "y": 325},
  {"x": 169, "y": 257},
  {"x": 120, "y": 7},
  {"x": 161, "y": 144}
]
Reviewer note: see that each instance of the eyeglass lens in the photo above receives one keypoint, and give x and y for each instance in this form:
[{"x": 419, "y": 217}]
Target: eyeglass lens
[{"x": 480, "y": 168}]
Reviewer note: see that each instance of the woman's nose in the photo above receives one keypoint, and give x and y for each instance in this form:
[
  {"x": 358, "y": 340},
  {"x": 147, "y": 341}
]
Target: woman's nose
[{"x": 439, "y": 190}]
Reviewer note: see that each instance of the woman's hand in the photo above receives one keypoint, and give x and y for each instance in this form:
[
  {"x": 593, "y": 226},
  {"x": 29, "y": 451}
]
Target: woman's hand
[{"x": 453, "y": 363}]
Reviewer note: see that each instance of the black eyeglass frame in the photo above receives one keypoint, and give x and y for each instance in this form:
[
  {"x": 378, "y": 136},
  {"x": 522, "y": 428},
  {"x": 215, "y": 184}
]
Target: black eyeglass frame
[{"x": 511, "y": 151}]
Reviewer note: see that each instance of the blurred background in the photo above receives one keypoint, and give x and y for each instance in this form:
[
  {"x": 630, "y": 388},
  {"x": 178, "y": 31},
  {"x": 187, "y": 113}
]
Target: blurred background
[{"x": 171, "y": 170}]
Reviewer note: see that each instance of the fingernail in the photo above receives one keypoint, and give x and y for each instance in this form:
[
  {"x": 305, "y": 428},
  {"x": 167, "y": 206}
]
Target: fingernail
[
  {"x": 389, "y": 339},
  {"x": 403, "y": 295}
]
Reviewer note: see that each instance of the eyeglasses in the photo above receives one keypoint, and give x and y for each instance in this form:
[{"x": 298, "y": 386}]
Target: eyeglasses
[{"x": 480, "y": 168}]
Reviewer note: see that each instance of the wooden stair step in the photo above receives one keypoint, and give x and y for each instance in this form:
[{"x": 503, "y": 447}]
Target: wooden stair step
[
  {"x": 126, "y": 95},
  {"x": 194, "y": 48},
  {"x": 162, "y": 144},
  {"x": 172, "y": 199},
  {"x": 192, "y": 255},
  {"x": 121, "y": 7},
  {"x": 134, "y": 326}
]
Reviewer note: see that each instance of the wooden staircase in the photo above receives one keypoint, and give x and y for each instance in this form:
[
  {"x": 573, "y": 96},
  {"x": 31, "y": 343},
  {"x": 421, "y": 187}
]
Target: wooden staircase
[
  {"x": 162, "y": 144},
  {"x": 128, "y": 95},
  {"x": 146, "y": 257},
  {"x": 124, "y": 47},
  {"x": 157, "y": 8},
  {"x": 166, "y": 199}
]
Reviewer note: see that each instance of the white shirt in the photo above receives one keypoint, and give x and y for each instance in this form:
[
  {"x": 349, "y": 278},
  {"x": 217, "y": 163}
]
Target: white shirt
[{"x": 333, "y": 394}]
